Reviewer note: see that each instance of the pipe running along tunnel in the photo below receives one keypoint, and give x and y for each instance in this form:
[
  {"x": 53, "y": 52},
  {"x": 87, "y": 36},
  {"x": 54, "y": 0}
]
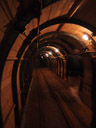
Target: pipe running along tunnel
[{"x": 40, "y": 35}]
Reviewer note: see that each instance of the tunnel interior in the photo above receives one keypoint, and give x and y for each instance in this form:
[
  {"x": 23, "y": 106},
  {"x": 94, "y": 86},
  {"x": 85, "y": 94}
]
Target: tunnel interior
[{"x": 38, "y": 34}]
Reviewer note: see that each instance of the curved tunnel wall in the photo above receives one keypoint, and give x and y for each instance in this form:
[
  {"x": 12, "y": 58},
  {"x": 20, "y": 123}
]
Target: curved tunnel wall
[
  {"x": 5, "y": 112},
  {"x": 6, "y": 83},
  {"x": 60, "y": 70}
]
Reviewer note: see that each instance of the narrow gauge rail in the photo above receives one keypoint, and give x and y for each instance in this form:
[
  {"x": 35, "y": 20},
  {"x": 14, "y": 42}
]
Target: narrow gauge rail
[
  {"x": 50, "y": 105},
  {"x": 60, "y": 98}
]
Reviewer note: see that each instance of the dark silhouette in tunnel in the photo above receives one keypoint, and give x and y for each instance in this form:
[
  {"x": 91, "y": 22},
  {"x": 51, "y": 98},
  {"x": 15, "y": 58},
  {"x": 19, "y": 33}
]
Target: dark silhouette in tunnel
[{"x": 43, "y": 62}]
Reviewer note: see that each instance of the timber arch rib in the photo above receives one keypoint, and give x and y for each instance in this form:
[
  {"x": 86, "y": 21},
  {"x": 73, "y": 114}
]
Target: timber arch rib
[{"x": 62, "y": 25}]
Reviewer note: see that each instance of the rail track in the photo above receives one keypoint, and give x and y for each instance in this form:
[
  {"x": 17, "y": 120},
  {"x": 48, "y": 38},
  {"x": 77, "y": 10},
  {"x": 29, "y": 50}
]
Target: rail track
[
  {"x": 50, "y": 105},
  {"x": 72, "y": 118}
]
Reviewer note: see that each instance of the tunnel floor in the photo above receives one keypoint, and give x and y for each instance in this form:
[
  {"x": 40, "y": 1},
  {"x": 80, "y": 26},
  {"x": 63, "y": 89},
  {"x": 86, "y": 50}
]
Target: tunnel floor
[{"x": 51, "y": 105}]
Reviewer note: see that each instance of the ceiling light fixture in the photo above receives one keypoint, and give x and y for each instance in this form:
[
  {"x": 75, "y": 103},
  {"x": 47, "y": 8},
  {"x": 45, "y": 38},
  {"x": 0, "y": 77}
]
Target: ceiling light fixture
[
  {"x": 46, "y": 54},
  {"x": 56, "y": 50},
  {"x": 85, "y": 37},
  {"x": 50, "y": 53},
  {"x": 42, "y": 57}
]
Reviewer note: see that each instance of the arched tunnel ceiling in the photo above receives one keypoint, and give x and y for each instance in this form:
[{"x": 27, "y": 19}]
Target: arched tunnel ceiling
[
  {"x": 74, "y": 30},
  {"x": 67, "y": 38},
  {"x": 51, "y": 9},
  {"x": 70, "y": 29},
  {"x": 18, "y": 30}
]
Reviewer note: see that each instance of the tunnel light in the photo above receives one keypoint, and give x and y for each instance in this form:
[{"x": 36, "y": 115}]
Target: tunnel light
[
  {"x": 57, "y": 50},
  {"x": 42, "y": 57},
  {"x": 46, "y": 54},
  {"x": 85, "y": 37},
  {"x": 50, "y": 53}
]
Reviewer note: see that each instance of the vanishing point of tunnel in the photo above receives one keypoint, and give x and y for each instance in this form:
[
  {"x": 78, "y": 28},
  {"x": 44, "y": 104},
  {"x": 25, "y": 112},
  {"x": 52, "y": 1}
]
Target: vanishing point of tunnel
[{"x": 47, "y": 63}]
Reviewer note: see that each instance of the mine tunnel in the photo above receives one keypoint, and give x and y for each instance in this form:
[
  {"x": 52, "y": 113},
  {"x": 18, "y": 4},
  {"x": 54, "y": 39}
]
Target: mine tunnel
[{"x": 36, "y": 39}]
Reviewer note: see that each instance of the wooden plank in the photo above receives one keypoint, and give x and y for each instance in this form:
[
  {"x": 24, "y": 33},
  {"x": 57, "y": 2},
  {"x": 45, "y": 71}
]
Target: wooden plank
[
  {"x": 31, "y": 26},
  {"x": 7, "y": 68},
  {"x": 6, "y": 82},
  {"x": 34, "y": 22},
  {"x": 17, "y": 44}
]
